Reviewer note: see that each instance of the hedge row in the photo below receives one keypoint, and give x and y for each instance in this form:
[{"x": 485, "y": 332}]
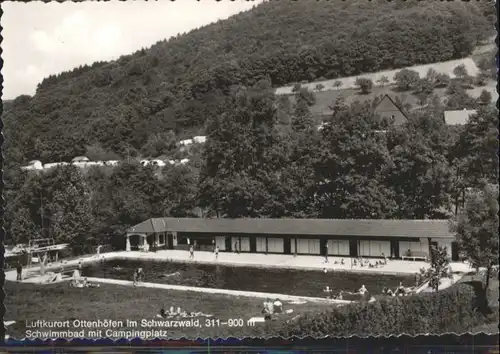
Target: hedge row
[{"x": 451, "y": 310}]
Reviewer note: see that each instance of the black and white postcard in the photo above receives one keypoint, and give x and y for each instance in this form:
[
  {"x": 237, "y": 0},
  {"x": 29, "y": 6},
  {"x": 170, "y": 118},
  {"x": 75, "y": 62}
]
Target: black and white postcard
[{"x": 250, "y": 168}]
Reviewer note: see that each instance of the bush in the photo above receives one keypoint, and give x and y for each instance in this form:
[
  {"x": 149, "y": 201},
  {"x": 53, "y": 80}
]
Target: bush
[
  {"x": 460, "y": 71},
  {"x": 485, "y": 97},
  {"x": 406, "y": 79},
  {"x": 442, "y": 80},
  {"x": 451, "y": 310},
  {"x": 364, "y": 84},
  {"x": 481, "y": 79}
]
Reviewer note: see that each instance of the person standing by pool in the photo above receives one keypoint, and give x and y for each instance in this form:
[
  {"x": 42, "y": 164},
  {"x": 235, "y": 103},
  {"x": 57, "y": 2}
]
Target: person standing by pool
[
  {"x": 326, "y": 251},
  {"x": 137, "y": 276},
  {"x": 362, "y": 290},
  {"x": 98, "y": 250},
  {"x": 191, "y": 252},
  {"x": 80, "y": 267},
  {"x": 19, "y": 270},
  {"x": 216, "y": 252}
]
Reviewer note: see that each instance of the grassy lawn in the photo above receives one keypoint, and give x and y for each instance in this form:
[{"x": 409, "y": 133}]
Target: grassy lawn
[
  {"x": 325, "y": 99},
  {"x": 31, "y": 302}
]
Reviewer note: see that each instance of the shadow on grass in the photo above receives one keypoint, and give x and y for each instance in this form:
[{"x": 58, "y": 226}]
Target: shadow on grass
[{"x": 397, "y": 89}]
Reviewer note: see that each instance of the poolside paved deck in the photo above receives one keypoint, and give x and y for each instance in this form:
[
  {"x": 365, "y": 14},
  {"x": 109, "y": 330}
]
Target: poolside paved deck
[
  {"x": 277, "y": 261},
  {"x": 394, "y": 267}
]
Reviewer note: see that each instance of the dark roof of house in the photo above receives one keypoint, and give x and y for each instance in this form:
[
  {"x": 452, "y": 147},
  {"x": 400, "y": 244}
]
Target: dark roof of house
[
  {"x": 387, "y": 105},
  {"x": 309, "y": 227}
]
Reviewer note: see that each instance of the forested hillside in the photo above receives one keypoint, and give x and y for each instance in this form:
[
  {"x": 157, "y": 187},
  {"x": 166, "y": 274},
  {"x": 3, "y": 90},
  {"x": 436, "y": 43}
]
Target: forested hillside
[
  {"x": 126, "y": 105},
  {"x": 267, "y": 160}
]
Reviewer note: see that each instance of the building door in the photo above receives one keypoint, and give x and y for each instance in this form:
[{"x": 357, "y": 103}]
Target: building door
[
  {"x": 288, "y": 245},
  {"x": 324, "y": 249},
  {"x": 253, "y": 244},
  {"x": 170, "y": 241},
  {"x": 394, "y": 249},
  {"x": 229, "y": 246},
  {"x": 353, "y": 248},
  {"x": 454, "y": 251}
]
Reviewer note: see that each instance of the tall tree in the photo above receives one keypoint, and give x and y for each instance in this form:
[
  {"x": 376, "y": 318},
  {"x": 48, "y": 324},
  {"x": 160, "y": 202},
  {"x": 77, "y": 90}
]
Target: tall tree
[
  {"x": 421, "y": 177},
  {"x": 406, "y": 79},
  {"x": 242, "y": 154},
  {"x": 70, "y": 209},
  {"x": 179, "y": 188},
  {"x": 295, "y": 187},
  {"x": 476, "y": 228},
  {"x": 478, "y": 146},
  {"x": 351, "y": 168},
  {"x": 439, "y": 268}
]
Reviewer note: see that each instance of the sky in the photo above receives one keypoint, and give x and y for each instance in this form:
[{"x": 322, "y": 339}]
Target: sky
[{"x": 40, "y": 39}]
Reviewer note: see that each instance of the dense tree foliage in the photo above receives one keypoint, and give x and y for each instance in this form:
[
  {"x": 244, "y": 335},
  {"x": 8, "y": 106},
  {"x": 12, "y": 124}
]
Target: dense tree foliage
[
  {"x": 477, "y": 230},
  {"x": 243, "y": 155},
  {"x": 266, "y": 157},
  {"x": 84, "y": 208},
  {"x": 121, "y": 106},
  {"x": 352, "y": 167}
]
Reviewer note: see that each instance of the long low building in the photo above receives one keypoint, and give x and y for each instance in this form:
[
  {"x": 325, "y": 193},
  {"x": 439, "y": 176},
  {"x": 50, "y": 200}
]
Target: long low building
[{"x": 349, "y": 238}]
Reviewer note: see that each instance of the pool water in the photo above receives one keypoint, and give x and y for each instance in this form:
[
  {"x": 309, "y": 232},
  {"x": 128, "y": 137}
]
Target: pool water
[{"x": 281, "y": 281}]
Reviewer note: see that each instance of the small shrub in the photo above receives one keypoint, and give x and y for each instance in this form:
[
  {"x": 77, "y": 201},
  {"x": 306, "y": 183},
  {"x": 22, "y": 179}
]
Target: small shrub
[{"x": 320, "y": 87}]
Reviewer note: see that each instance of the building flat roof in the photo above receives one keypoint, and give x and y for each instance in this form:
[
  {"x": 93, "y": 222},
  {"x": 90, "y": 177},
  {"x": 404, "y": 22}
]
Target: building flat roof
[{"x": 306, "y": 227}]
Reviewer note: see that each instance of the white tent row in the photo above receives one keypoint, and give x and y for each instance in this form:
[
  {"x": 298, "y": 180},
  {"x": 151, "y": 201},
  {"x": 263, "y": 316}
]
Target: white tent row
[
  {"x": 178, "y": 162},
  {"x": 37, "y": 165},
  {"x": 200, "y": 139},
  {"x": 158, "y": 163}
]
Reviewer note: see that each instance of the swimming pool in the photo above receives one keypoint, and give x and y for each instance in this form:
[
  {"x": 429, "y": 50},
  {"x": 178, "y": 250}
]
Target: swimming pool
[{"x": 281, "y": 281}]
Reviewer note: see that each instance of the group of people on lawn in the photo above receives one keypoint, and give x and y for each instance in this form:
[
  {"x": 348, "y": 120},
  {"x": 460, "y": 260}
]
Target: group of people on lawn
[
  {"x": 180, "y": 313},
  {"x": 78, "y": 281},
  {"x": 272, "y": 308}
]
